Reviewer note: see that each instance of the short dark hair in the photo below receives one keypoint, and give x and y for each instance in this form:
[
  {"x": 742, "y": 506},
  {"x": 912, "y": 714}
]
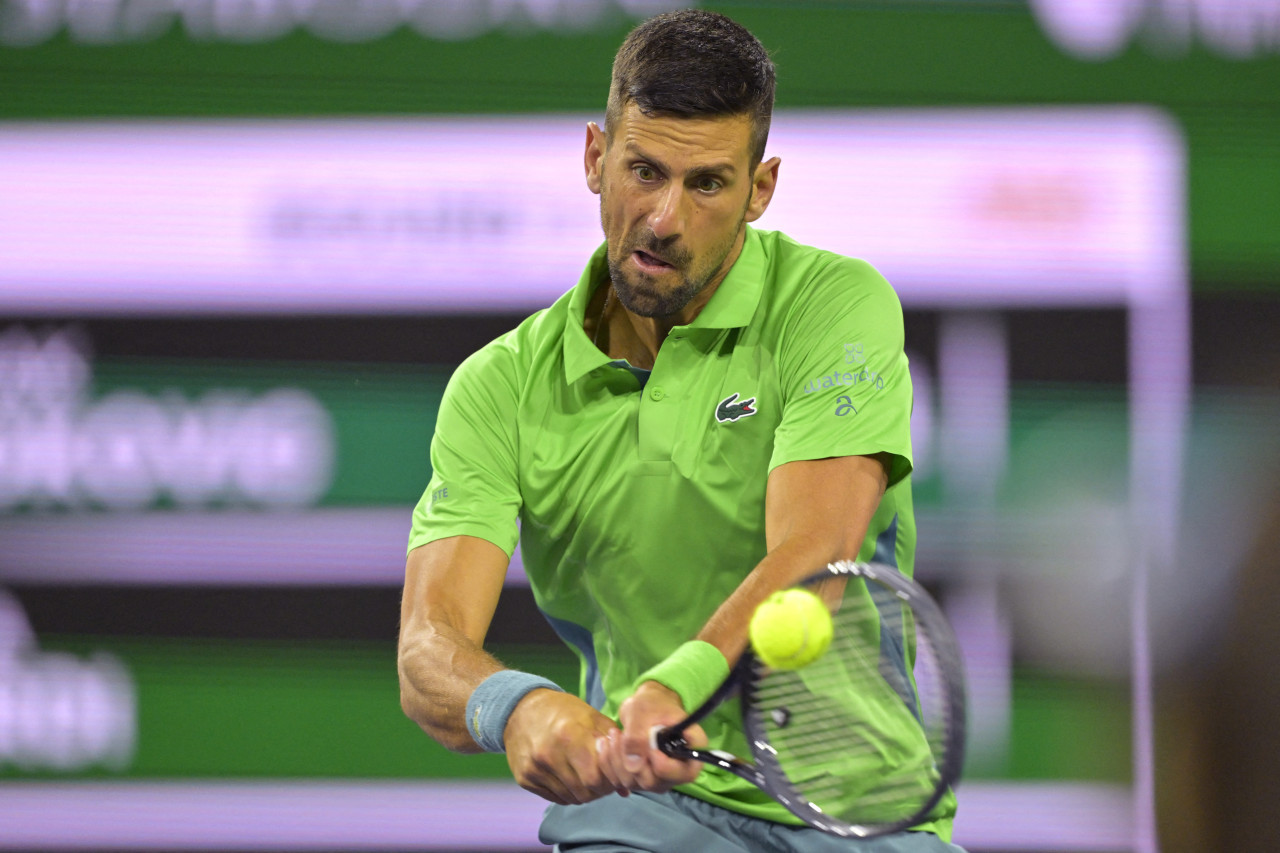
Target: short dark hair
[{"x": 694, "y": 63}]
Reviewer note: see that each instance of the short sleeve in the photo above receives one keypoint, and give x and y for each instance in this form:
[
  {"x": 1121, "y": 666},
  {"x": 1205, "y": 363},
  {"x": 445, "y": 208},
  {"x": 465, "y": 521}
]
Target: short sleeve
[
  {"x": 474, "y": 488},
  {"x": 846, "y": 388}
]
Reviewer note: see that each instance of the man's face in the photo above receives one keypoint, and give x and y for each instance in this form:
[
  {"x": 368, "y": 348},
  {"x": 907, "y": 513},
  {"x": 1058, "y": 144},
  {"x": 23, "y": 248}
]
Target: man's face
[{"x": 674, "y": 195}]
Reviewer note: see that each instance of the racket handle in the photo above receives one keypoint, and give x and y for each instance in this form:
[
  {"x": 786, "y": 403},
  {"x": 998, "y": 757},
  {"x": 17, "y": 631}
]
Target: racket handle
[
  {"x": 669, "y": 740},
  {"x": 672, "y": 742}
]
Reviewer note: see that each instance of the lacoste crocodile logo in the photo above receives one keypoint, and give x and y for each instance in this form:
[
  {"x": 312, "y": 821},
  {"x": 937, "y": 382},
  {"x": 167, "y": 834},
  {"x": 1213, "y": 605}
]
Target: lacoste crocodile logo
[{"x": 730, "y": 409}]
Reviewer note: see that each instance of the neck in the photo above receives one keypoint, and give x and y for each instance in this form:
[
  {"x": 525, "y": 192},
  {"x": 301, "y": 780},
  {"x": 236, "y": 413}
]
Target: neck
[
  {"x": 620, "y": 334},
  {"x": 652, "y": 331},
  {"x": 648, "y": 333}
]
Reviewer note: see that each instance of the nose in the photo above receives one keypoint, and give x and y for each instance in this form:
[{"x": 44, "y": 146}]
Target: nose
[{"x": 667, "y": 217}]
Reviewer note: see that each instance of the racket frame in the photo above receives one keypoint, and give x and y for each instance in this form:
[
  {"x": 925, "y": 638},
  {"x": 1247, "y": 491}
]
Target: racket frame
[{"x": 765, "y": 773}]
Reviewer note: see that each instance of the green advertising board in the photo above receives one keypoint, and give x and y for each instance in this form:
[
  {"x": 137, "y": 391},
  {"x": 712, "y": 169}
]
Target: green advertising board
[{"x": 1213, "y": 66}]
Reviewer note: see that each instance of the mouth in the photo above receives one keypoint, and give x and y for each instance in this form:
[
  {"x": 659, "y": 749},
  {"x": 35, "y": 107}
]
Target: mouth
[{"x": 650, "y": 263}]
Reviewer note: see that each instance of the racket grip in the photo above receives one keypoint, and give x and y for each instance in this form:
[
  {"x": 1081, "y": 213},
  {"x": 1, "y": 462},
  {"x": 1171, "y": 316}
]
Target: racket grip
[{"x": 669, "y": 740}]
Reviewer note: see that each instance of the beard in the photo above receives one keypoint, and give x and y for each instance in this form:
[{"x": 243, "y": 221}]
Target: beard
[{"x": 648, "y": 295}]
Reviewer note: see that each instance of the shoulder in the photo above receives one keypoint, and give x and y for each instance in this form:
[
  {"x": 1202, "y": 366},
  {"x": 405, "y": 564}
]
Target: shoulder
[
  {"x": 512, "y": 356},
  {"x": 808, "y": 282},
  {"x": 485, "y": 395}
]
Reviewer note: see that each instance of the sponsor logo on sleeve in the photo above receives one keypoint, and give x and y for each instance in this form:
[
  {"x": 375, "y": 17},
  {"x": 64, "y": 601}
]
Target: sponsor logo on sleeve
[{"x": 844, "y": 379}]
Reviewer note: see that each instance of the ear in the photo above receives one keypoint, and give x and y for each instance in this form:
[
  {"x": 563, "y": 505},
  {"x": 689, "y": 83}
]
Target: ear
[
  {"x": 593, "y": 159},
  {"x": 763, "y": 183}
]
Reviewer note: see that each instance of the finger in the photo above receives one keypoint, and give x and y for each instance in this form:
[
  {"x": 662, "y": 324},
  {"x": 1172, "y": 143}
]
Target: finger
[
  {"x": 627, "y": 777},
  {"x": 635, "y": 750},
  {"x": 606, "y": 761},
  {"x": 584, "y": 773},
  {"x": 589, "y": 770},
  {"x": 647, "y": 777},
  {"x": 662, "y": 779},
  {"x": 608, "y": 765},
  {"x": 558, "y": 770},
  {"x": 695, "y": 736},
  {"x": 575, "y": 789},
  {"x": 670, "y": 772},
  {"x": 544, "y": 791}
]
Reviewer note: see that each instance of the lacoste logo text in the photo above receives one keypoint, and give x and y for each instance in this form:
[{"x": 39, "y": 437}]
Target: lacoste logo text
[{"x": 730, "y": 409}]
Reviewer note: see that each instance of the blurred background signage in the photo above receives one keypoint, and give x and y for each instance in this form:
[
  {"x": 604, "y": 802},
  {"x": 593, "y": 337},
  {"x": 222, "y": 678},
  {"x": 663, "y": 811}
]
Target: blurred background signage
[
  {"x": 1087, "y": 29},
  {"x": 115, "y": 21},
  {"x": 1012, "y": 206},
  {"x": 1101, "y": 29}
]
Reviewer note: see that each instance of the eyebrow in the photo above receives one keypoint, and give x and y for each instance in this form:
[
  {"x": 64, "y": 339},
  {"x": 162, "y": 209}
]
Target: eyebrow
[{"x": 722, "y": 168}]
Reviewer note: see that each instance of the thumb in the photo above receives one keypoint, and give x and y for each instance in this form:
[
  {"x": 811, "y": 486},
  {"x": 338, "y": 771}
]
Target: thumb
[{"x": 695, "y": 736}]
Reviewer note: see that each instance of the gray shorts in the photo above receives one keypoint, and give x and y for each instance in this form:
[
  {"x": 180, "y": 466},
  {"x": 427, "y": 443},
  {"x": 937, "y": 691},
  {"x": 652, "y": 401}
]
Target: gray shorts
[{"x": 676, "y": 823}]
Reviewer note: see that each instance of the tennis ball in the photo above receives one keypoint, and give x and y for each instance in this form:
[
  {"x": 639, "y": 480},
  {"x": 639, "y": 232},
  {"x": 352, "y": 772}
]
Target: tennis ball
[{"x": 790, "y": 629}]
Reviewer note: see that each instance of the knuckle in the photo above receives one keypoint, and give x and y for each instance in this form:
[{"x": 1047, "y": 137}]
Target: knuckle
[
  {"x": 561, "y": 733},
  {"x": 634, "y": 740}
]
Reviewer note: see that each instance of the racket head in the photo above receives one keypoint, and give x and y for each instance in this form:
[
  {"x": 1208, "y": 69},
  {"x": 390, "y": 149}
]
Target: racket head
[{"x": 868, "y": 739}]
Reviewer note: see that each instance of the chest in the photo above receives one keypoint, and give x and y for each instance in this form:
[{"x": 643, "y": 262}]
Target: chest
[{"x": 704, "y": 419}]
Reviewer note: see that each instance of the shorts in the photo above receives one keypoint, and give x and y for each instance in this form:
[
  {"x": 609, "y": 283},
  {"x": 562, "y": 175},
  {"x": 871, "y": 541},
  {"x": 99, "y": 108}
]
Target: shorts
[{"x": 678, "y": 823}]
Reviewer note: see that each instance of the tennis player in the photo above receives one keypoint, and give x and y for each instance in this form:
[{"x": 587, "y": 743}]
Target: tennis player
[{"x": 712, "y": 413}]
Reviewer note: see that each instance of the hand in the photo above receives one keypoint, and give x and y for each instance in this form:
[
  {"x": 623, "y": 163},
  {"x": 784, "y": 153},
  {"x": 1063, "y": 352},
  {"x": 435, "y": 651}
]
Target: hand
[
  {"x": 551, "y": 747},
  {"x": 628, "y": 757}
]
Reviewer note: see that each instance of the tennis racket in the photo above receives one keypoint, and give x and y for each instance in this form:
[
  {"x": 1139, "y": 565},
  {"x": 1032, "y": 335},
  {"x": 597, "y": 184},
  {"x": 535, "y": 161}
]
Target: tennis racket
[{"x": 868, "y": 739}]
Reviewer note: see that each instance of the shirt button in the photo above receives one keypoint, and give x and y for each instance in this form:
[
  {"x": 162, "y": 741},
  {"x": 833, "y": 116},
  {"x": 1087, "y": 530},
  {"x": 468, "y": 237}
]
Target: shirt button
[{"x": 656, "y": 394}]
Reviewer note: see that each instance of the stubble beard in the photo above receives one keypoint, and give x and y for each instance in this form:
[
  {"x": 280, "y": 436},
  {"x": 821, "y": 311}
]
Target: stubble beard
[{"x": 641, "y": 293}]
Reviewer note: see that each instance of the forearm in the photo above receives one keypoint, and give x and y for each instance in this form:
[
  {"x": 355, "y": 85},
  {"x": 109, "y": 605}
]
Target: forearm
[
  {"x": 816, "y": 512},
  {"x": 439, "y": 669},
  {"x": 792, "y": 561},
  {"x": 451, "y": 589}
]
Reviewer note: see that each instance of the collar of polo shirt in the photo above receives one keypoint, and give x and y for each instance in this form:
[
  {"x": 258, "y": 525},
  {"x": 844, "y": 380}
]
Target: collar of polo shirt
[{"x": 732, "y": 306}]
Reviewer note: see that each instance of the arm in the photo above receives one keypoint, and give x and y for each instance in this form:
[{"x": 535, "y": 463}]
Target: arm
[
  {"x": 444, "y": 616},
  {"x": 816, "y": 511},
  {"x": 451, "y": 589}
]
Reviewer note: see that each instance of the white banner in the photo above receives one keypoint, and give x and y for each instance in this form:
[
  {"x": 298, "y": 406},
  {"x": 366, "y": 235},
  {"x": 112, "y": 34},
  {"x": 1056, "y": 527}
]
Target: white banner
[{"x": 1033, "y": 206}]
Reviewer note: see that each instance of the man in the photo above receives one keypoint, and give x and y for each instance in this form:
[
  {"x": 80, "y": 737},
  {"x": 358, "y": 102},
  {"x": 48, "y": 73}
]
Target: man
[{"x": 669, "y": 439}]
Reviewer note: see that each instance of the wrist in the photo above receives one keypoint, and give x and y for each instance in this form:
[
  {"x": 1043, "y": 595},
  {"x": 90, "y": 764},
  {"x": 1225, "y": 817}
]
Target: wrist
[
  {"x": 692, "y": 672},
  {"x": 494, "y": 700},
  {"x": 658, "y": 689}
]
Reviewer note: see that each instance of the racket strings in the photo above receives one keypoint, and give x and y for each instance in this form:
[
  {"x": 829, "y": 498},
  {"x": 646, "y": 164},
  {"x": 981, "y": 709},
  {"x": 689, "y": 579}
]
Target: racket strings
[{"x": 859, "y": 732}]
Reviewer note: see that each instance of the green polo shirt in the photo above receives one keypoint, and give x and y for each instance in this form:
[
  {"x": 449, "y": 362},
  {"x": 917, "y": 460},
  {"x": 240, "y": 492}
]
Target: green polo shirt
[{"x": 639, "y": 505}]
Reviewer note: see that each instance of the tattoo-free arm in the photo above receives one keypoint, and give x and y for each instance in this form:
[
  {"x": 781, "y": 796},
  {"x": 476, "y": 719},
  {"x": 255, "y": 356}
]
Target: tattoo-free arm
[
  {"x": 451, "y": 589},
  {"x": 816, "y": 511}
]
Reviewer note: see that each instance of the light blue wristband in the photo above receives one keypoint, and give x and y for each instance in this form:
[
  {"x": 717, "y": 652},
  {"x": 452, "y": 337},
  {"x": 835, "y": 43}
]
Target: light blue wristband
[{"x": 492, "y": 702}]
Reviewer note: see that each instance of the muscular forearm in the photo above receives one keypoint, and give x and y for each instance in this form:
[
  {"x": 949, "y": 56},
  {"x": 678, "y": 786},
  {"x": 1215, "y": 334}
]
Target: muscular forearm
[
  {"x": 549, "y": 736},
  {"x": 439, "y": 669},
  {"x": 816, "y": 512},
  {"x": 451, "y": 588},
  {"x": 786, "y": 565}
]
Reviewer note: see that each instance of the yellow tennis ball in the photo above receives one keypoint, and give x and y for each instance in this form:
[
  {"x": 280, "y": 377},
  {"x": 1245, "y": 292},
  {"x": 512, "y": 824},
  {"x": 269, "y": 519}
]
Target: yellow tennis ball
[{"x": 790, "y": 629}]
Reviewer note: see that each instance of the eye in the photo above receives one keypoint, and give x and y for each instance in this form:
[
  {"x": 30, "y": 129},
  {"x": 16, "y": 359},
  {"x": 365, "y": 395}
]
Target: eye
[
  {"x": 645, "y": 172},
  {"x": 708, "y": 184}
]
